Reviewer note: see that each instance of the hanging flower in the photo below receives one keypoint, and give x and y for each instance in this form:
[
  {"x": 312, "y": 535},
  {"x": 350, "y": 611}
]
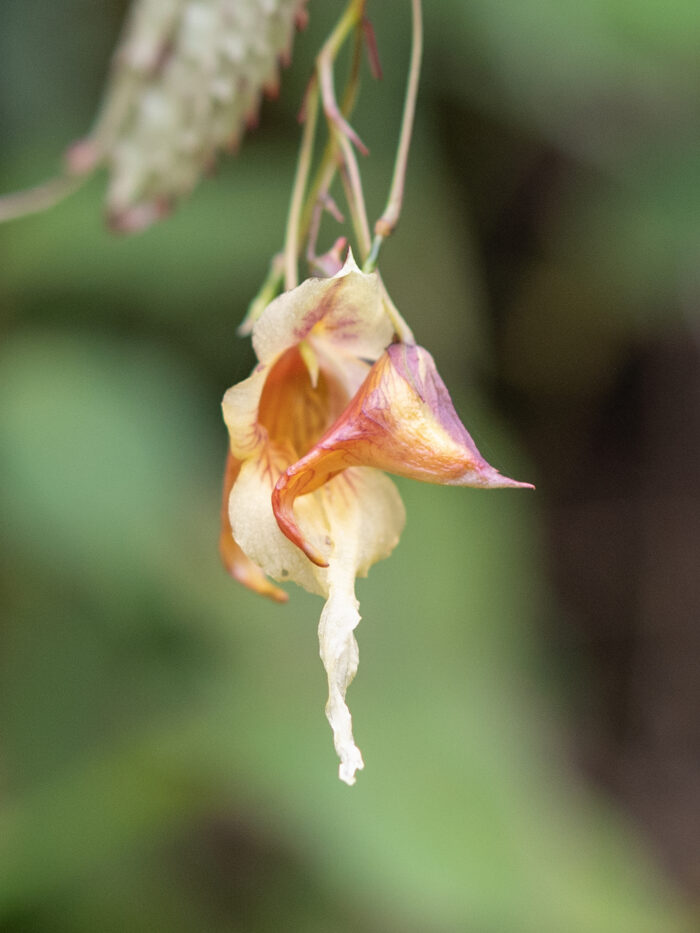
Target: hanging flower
[{"x": 330, "y": 406}]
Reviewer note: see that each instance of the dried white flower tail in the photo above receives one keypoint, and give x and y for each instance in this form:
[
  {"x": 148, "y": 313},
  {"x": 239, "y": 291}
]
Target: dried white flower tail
[{"x": 340, "y": 656}]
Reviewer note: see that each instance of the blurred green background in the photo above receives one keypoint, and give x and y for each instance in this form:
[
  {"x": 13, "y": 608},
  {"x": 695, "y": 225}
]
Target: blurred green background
[{"x": 528, "y": 696}]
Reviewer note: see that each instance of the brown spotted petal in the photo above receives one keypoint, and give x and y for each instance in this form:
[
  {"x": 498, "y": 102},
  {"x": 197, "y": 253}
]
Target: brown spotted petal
[{"x": 401, "y": 420}]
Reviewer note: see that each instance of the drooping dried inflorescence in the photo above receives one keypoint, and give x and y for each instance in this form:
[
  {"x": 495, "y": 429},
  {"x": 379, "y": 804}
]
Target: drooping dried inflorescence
[{"x": 187, "y": 78}]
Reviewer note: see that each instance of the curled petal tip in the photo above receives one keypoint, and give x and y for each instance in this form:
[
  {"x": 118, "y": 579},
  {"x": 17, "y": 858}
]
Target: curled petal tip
[
  {"x": 313, "y": 555},
  {"x": 261, "y": 586},
  {"x": 282, "y": 506},
  {"x": 278, "y": 596}
]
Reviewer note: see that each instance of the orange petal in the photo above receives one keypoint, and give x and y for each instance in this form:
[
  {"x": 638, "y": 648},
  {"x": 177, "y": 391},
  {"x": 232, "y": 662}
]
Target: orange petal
[
  {"x": 401, "y": 420},
  {"x": 234, "y": 559}
]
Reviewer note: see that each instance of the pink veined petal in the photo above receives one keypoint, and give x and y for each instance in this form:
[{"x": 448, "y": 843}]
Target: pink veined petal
[
  {"x": 401, "y": 420},
  {"x": 345, "y": 311}
]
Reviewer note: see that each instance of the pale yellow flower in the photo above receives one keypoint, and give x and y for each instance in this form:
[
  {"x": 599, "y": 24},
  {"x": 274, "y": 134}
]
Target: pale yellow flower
[{"x": 333, "y": 403}]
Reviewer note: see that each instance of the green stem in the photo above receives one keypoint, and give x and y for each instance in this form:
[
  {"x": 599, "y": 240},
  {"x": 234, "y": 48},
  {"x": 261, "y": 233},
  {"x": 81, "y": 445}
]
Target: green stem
[
  {"x": 269, "y": 290},
  {"x": 291, "y": 240}
]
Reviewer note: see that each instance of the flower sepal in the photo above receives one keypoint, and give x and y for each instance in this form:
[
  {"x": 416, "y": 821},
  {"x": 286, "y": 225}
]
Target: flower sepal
[{"x": 401, "y": 420}]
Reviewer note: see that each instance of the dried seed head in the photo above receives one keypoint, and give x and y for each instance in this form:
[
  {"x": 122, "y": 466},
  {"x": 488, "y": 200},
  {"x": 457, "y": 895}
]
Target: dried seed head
[{"x": 187, "y": 80}]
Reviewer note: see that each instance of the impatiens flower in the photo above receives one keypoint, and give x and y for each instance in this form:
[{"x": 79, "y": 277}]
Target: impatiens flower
[{"x": 332, "y": 403}]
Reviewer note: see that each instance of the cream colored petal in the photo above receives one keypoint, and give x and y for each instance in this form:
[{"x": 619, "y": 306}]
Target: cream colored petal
[
  {"x": 256, "y": 531},
  {"x": 346, "y": 310},
  {"x": 340, "y": 656},
  {"x": 367, "y": 517},
  {"x": 347, "y": 371},
  {"x": 242, "y": 569},
  {"x": 240, "y": 407},
  {"x": 356, "y": 519},
  {"x": 238, "y": 564}
]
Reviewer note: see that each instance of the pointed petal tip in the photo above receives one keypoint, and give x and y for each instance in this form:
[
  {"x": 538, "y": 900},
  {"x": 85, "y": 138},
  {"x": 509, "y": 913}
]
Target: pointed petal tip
[
  {"x": 486, "y": 477},
  {"x": 495, "y": 480},
  {"x": 349, "y": 265},
  {"x": 504, "y": 482},
  {"x": 258, "y": 583}
]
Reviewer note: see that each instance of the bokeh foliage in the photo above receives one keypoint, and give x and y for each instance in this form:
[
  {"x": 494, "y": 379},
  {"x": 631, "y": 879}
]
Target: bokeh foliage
[{"x": 165, "y": 759}]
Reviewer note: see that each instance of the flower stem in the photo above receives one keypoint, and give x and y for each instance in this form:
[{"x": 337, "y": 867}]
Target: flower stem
[
  {"x": 319, "y": 194},
  {"x": 300, "y": 219},
  {"x": 291, "y": 240},
  {"x": 339, "y": 128},
  {"x": 386, "y": 224},
  {"x": 268, "y": 290},
  {"x": 39, "y": 198},
  {"x": 352, "y": 185}
]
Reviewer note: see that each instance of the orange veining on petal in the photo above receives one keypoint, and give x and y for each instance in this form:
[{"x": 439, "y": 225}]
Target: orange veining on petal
[{"x": 294, "y": 411}]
